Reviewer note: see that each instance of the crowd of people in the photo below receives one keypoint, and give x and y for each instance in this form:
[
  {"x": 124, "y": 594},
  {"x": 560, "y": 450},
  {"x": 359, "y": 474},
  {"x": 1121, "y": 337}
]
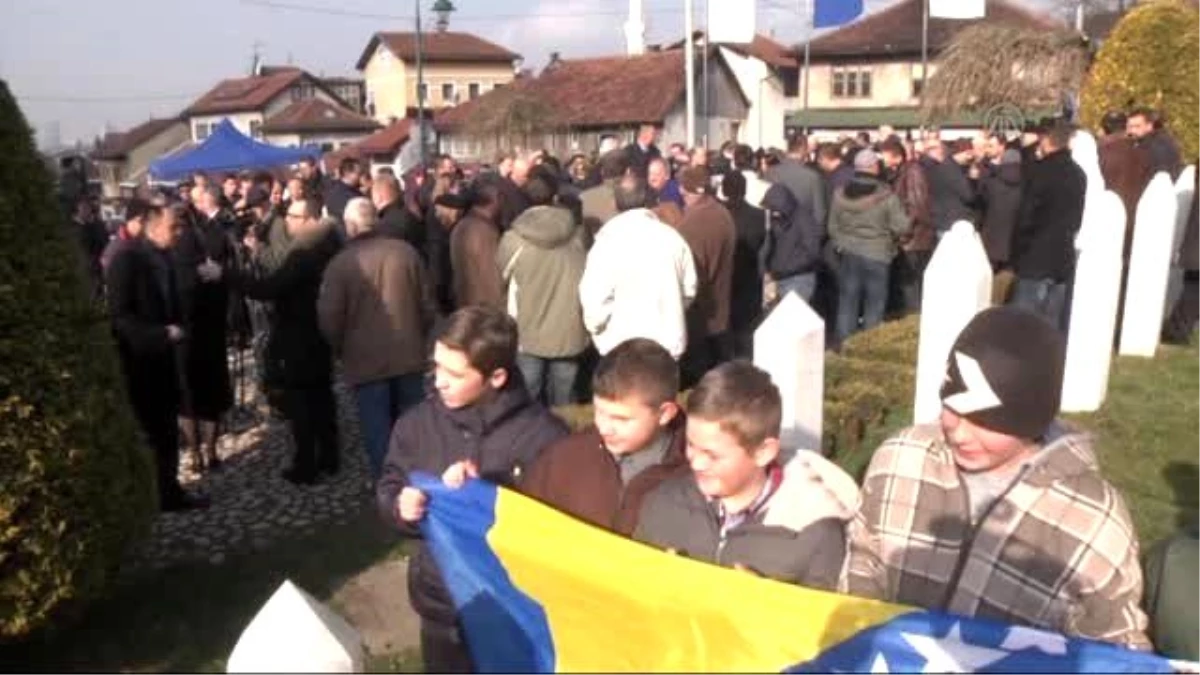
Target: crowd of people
[{"x": 459, "y": 306}]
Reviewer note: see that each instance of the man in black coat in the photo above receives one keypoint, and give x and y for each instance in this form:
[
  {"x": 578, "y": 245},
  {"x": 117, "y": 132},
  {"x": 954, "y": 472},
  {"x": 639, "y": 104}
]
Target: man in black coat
[
  {"x": 394, "y": 219},
  {"x": 643, "y": 149},
  {"x": 1146, "y": 128},
  {"x": 1043, "y": 253},
  {"x": 950, "y": 193},
  {"x": 298, "y": 358},
  {"x": 339, "y": 192},
  {"x": 147, "y": 319},
  {"x": 481, "y": 422}
]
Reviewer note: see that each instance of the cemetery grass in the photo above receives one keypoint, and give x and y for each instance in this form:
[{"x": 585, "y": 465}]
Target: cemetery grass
[{"x": 187, "y": 618}]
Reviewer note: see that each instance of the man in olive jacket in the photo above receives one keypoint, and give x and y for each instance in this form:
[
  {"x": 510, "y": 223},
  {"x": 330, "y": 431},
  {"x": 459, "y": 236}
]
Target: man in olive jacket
[{"x": 541, "y": 261}]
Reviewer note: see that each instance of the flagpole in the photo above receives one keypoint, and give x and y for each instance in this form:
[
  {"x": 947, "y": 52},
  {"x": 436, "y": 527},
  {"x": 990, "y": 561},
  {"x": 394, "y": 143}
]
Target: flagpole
[
  {"x": 704, "y": 75},
  {"x": 689, "y": 73},
  {"x": 807, "y": 60}
]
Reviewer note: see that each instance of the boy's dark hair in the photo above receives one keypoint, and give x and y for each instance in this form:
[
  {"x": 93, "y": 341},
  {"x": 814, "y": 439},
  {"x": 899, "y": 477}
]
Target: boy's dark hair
[
  {"x": 486, "y": 335},
  {"x": 743, "y": 157},
  {"x": 349, "y": 165},
  {"x": 313, "y": 205},
  {"x": 138, "y": 208},
  {"x": 742, "y": 399},
  {"x": 637, "y": 367},
  {"x": 1059, "y": 134},
  {"x": 613, "y": 164},
  {"x": 1113, "y": 122},
  {"x": 733, "y": 186}
]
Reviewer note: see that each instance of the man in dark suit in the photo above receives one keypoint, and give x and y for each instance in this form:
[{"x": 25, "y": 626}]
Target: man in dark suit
[
  {"x": 147, "y": 321},
  {"x": 643, "y": 149}
]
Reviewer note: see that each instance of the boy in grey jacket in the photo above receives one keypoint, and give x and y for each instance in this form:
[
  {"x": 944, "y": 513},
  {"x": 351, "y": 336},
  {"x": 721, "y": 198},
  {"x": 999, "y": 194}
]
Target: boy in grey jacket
[{"x": 740, "y": 506}]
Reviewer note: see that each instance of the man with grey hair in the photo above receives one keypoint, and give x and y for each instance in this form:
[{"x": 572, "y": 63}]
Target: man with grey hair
[
  {"x": 380, "y": 342},
  {"x": 639, "y": 278}
]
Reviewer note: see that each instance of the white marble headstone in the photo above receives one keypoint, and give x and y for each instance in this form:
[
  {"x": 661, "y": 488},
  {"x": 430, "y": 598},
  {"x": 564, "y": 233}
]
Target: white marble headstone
[
  {"x": 1185, "y": 186},
  {"x": 790, "y": 347},
  {"x": 1087, "y": 155},
  {"x": 1149, "y": 267},
  {"x": 294, "y": 633},
  {"x": 1094, "y": 308},
  {"x": 957, "y": 286}
]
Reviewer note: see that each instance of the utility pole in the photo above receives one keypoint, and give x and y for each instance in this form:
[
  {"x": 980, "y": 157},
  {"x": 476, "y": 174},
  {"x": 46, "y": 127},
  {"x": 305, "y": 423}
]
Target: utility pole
[{"x": 421, "y": 91}]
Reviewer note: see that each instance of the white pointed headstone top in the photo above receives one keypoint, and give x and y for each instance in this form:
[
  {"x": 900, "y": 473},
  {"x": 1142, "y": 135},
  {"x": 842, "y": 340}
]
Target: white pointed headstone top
[
  {"x": 1094, "y": 308},
  {"x": 294, "y": 633},
  {"x": 790, "y": 347},
  {"x": 1185, "y": 187},
  {"x": 957, "y": 286},
  {"x": 1086, "y": 154},
  {"x": 1149, "y": 267}
]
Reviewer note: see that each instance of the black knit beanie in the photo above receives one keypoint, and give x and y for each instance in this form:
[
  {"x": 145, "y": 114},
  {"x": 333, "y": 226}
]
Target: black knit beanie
[{"x": 1005, "y": 372}]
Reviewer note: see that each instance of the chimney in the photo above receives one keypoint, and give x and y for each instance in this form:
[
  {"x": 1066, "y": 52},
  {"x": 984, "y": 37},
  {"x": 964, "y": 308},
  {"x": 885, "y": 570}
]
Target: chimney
[{"x": 635, "y": 29}]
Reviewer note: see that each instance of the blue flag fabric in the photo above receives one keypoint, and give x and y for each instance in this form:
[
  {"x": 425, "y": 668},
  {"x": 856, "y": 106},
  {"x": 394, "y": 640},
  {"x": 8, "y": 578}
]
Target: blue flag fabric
[
  {"x": 829, "y": 13},
  {"x": 538, "y": 591}
]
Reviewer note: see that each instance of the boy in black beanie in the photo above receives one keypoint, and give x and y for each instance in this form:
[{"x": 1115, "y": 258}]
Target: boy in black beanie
[{"x": 1000, "y": 511}]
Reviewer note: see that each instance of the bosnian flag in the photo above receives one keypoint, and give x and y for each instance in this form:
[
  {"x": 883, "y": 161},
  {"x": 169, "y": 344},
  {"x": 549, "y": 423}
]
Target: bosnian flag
[{"x": 956, "y": 9}]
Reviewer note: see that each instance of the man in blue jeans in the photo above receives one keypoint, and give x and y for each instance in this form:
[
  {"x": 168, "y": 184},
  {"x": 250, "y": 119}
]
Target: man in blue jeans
[
  {"x": 1043, "y": 250},
  {"x": 866, "y": 223},
  {"x": 377, "y": 311}
]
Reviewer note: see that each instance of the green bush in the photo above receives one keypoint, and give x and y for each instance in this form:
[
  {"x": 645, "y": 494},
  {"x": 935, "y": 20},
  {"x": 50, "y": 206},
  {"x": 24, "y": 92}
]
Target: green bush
[
  {"x": 870, "y": 382},
  {"x": 1152, "y": 58},
  {"x": 76, "y": 485}
]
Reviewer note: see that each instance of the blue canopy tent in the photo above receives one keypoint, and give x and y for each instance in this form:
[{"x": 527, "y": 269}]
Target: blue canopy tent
[{"x": 227, "y": 149}]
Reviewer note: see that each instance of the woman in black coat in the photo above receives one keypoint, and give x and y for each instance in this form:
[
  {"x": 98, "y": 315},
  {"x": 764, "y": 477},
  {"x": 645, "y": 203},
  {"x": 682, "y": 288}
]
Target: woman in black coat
[
  {"x": 206, "y": 385},
  {"x": 298, "y": 358}
]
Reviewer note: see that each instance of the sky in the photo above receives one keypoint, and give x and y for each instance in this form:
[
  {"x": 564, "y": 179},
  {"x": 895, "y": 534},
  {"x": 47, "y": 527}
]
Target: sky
[{"x": 83, "y": 67}]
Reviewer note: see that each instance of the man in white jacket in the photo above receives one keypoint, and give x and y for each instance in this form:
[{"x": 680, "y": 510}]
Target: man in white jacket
[{"x": 640, "y": 277}]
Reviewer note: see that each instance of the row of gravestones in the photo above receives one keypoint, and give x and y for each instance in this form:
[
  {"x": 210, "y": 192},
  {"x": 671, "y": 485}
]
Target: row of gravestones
[
  {"x": 295, "y": 632},
  {"x": 790, "y": 343}
]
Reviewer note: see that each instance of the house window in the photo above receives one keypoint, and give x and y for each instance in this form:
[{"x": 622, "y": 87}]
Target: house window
[
  {"x": 423, "y": 91},
  {"x": 918, "y": 87},
  {"x": 255, "y": 129},
  {"x": 202, "y": 130},
  {"x": 448, "y": 93},
  {"x": 303, "y": 91},
  {"x": 473, "y": 90},
  {"x": 851, "y": 83}
]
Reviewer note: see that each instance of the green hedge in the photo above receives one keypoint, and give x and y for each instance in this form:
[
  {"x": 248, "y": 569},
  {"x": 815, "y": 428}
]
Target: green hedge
[
  {"x": 868, "y": 391},
  {"x": 76, "y": 485}
]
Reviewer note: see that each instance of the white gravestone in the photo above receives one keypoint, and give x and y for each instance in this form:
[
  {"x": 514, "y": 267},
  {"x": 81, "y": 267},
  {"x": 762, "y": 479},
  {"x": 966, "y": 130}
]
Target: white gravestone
[
  {"x": 1087, "y": 156},
  {"x": 957, "y": 286},
  {"x": 294, "y": 633},
  {"x": 1185, "y": 186},
  {"x": 790, "y": 347},
  {"x": 1149, "y": 267},
  {"x": 1094, "y": 308}
]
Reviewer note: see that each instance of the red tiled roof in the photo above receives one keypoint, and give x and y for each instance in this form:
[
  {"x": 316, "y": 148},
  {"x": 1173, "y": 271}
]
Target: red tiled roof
[
  {"x": 600, "y": 92},
  {"x": 316, "y": 114},
  {"x": 118, "y": 145},
  {"x": 245, "y": 93},
  {"x": 387, "y": 140},
  {"x": 761, "y": 47},
  {"x": 438, "y": 46},
  {"x": 896, "y": 31}
]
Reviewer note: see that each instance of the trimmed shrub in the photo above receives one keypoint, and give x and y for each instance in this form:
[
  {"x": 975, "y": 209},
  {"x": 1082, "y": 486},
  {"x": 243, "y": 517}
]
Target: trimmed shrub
[
  {"x": 872, "y": 380},
  {"x": 76, "y": 483},
  {"x": 1152, "y": 58}
]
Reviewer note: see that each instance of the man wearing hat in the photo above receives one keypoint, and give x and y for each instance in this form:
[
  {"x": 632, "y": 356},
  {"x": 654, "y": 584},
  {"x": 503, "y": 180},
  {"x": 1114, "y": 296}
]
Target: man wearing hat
[{"x": 1000, "y": 511}]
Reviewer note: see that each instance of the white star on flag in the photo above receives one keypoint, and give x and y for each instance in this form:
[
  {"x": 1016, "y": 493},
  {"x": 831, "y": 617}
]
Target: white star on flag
[
  {"x": 1020, "y": 637},
  {"x": 880, "y": 664},
  {"x": 950, "y": 654}
]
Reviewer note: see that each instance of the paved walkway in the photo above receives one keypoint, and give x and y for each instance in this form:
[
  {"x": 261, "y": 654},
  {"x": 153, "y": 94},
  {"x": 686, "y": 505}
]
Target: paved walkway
[{"x": 252, "y": 505}]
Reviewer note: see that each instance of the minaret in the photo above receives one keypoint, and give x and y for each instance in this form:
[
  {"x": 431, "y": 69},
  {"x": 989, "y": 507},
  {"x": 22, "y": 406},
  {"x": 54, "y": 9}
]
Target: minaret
[{"x": 635, "y": 29}]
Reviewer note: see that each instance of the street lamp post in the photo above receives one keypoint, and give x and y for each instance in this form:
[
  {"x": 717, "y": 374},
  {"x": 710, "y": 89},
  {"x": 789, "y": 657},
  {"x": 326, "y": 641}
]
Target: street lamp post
[{"x": 442, "y": 8}]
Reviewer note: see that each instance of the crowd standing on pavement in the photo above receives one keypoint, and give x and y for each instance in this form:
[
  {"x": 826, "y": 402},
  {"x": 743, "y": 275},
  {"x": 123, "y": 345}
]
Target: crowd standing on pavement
[{"x": 460, "y": 304}]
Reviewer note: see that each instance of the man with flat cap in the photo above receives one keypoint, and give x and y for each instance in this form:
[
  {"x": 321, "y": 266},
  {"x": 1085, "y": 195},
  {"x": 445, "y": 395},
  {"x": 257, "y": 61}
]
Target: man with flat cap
[{"x": 1000, "y": 511}]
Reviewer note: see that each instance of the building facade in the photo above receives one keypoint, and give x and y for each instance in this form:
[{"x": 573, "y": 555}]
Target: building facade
[
  {"x": 457, "y": 67},
  {"x": 122, "y": 159}
]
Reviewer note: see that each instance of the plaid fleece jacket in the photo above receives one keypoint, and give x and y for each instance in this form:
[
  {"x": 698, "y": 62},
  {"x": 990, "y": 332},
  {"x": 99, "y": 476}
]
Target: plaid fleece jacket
[{"x": 1057, "y": 550}]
